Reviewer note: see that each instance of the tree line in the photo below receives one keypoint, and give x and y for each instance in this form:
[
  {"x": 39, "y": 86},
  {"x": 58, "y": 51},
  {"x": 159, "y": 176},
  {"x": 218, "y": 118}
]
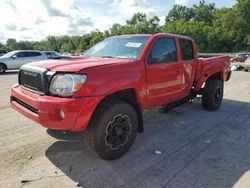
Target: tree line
[{"x": 213, "y": 29}]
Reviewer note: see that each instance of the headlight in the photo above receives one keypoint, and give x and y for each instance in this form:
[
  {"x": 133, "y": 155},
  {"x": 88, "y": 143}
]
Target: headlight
[{"x": 65, "y": 85}]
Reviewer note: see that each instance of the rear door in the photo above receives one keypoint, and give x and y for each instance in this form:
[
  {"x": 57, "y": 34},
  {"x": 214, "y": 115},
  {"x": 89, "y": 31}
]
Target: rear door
[
  {"x": 189, "y": 63},
  {"x": 35, "y": 56},
  {"x": 20, "y": 59},
  {"x": 163, "y": 72}
]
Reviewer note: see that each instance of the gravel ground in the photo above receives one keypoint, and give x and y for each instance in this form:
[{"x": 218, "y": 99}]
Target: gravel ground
[{"x": 196, "y": 148}]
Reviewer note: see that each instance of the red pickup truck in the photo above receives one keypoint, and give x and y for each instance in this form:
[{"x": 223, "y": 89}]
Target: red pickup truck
[{"x": 105, "y": 91}]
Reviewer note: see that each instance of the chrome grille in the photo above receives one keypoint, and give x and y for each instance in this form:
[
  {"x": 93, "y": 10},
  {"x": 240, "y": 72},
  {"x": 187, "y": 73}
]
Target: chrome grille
[{"x": 31, "y": 80}]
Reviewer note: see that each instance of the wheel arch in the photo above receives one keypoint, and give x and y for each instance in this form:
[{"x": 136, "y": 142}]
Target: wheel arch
[
  {"x": 4, "y": 65},
  {"x": 217, "y": 75},
  {"x": 129, "y": 96},
  {"x": 201, "y": 83}
]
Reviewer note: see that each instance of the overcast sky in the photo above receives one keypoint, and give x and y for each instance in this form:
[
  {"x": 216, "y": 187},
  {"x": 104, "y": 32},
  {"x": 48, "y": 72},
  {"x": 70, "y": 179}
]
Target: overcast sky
[{"x": 36, "y": 19}]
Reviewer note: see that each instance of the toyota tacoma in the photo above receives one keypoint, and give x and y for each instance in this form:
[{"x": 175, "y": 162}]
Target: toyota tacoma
[{"x": 105, "y": 91}]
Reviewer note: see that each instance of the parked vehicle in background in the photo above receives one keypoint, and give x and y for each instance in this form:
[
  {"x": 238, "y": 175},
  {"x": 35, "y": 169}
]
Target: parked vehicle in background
[
  {"x": 105, "y": 92},
  {"x": 241, "y": 57},
  {"x": 237, "y": 67},
  {"x": 2, "y": 52},
  {"x": 247, "y": 64},
  {"x": 52, "y": 54},
  {"x": 66, "y": 54},
  {"x": 15, "y": 59}
]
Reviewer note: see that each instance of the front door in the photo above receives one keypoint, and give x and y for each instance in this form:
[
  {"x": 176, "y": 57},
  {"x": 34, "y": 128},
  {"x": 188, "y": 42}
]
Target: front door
[
  {"x": 164, "y": 73},
  {"x": 20, "y": 59}
]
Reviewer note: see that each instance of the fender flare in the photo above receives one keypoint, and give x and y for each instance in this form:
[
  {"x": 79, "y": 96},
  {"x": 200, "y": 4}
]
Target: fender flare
[
  {"x": 206, "y": 76},
  {"x": 118, "y": 84}
]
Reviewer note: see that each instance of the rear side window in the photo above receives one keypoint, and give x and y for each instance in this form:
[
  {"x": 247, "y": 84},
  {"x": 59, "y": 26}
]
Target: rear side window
[
  {"x": 34, "y": 54},
  {"x": 164, "y": 51},
  {"x": 23, "y": 54},
  {"x": 28, "y": 54},
  {"x": 187, "y": 50}
]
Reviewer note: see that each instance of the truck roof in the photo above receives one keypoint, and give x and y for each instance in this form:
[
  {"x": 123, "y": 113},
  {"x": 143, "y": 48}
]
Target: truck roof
[{"x": 155, "y": 35}]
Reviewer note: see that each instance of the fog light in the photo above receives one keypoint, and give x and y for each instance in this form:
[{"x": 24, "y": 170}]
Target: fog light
[{"x": 62, "y": 114}]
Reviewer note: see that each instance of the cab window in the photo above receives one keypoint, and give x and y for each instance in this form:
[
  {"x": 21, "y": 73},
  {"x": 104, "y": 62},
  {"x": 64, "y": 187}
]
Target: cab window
[
  {"x": 187, "y": 50},
  {"x": 164, "y": 51}
]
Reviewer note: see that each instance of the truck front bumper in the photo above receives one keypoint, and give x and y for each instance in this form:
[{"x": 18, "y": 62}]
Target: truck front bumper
[{"x": 54, "y": 112}]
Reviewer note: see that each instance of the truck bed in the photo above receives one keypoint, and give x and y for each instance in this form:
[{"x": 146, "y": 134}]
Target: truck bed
[{"x": 209, "y": 66}]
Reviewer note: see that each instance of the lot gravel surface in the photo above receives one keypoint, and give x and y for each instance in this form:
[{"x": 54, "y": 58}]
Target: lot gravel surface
[{"x": 186, "y": 147}]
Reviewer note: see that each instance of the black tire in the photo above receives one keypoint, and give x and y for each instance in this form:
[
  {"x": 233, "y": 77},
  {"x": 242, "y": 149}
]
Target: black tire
[
  {"x": 104, "y": 130},
  {"x": 246, "y": 70},
  {"x": 3, "y": 68},
  {"x": 212, "y": 94}
]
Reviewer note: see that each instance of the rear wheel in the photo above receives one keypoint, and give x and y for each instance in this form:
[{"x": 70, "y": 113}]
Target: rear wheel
[
  {"x": 3, "y": 68},
  {"x": 112, "y": 130},
  {"x": 212, "y": 94}
]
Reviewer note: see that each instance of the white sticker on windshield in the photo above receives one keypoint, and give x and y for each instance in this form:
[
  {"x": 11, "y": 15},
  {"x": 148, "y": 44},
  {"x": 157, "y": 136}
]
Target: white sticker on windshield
[{"x": 133, "y": 44}]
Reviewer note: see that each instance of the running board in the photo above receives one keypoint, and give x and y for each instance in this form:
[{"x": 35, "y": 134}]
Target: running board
[{"x": 170, "y": 106}]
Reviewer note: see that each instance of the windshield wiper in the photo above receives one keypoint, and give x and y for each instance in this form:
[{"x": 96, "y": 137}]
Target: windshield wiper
[{"x": 106, "y": 56}]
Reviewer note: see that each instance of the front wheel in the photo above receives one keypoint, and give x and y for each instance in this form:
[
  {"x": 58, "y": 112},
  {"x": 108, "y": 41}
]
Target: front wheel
[
  {"x": 2, "y": 68},
  {"x": 112, "y": 130},
  {"x": 212, "y": 94}
]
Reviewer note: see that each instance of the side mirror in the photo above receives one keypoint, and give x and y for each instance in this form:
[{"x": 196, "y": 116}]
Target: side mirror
[{"x": 14, "y": 56}]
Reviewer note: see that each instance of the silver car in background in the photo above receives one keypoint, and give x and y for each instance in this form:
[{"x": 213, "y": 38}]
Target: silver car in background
[
  {"x": 15, "y": 59},
  {"x": 247, "y": 64}
]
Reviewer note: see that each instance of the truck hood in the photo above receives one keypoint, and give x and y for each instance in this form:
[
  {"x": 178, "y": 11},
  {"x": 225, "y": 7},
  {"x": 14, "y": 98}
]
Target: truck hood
[{"x": 76, "y": 64}]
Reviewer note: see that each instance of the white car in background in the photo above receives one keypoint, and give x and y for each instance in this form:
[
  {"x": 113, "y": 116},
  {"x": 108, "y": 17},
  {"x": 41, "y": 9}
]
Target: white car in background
[
  {"x": 15, "y": 59},
  {"x": 247, "y": 64}
]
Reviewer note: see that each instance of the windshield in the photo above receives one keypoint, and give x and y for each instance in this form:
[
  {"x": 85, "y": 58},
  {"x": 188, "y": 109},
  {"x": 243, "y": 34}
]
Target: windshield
[
  {"x": 9, "y": 54},
  {"x": 127, "y": 47}
]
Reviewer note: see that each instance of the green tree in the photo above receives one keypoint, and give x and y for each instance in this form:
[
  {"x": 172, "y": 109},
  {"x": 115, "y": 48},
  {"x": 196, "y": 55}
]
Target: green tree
[
  {"x": 2, "y": 46},
  {"x": 243, "y": 10},
  {"x": 179, "y": 12},
  {"x": 213, "y": 29},
  {"x": 67, "y": 47},
  {"x": 42, "y": 45},
  {"x": 52, "y": 43},
  {"x": 11, "y": 44},
  {"x": 116, "y": 29},
  {"x": 76, "y": 43},
  {"x": 203, "y": 12},
  {"x": 96, "y": 36},
  {"x": 140, "y": 24}
]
